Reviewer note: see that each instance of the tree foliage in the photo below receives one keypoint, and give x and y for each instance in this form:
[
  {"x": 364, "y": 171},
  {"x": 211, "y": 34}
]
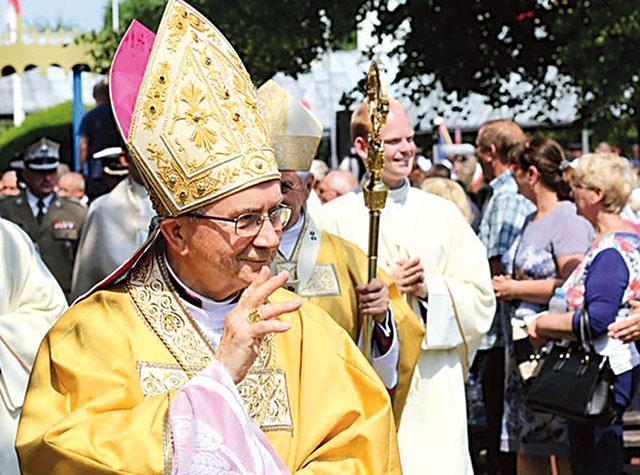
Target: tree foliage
[
  {"x": 270, "y": 37},
  {"x": 479, "y": 45},
  {"x": 54, "y": 122},
  {"x": 602, "y": 54},
  {"x": 585, "y": 47}
]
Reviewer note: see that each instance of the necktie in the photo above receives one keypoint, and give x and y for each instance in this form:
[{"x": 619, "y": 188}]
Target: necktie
[{"x": 40, "y": 210}]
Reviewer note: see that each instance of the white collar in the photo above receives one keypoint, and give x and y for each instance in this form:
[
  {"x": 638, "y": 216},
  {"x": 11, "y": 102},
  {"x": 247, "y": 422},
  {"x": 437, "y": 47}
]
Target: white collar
[
  {"x": 399, "y": 195},
  {"x": 33, "y": 201},
  {"x": 290, "y": 237}
]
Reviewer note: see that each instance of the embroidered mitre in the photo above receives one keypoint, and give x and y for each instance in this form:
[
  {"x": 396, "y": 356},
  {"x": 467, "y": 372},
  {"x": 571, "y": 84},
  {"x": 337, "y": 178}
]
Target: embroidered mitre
[
  {"x": 186, "y": 107},
  {"x": 294, "y": 131}
]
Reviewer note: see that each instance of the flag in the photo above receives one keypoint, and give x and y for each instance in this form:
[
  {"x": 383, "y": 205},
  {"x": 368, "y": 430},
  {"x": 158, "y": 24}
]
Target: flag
[
  {"x": 13, "y": 15},
  {"x": 15, "y": 5},
  {"x": 443, "y": 139}
]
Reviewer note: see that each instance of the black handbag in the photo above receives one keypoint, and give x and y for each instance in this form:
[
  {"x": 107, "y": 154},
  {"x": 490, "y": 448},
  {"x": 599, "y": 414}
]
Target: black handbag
[{"x": 574, "y": 381}]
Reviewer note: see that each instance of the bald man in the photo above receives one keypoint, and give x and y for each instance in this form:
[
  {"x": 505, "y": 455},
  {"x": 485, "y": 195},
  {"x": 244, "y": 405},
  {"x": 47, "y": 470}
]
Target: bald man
[
  {"x": 336, "y": 183},
  {"x": 9, "y": 184},
  {"x": 71, "y": 185}
]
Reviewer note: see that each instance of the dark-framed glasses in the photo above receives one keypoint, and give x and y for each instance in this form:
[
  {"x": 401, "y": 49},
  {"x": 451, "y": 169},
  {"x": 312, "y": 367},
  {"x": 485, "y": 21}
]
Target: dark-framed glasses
[{"x": 250, "y": 224}]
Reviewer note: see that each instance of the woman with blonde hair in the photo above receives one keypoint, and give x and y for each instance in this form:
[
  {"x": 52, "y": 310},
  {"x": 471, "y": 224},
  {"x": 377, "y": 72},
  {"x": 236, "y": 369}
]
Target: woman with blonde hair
[
  {"x": 449, "y": 190},
  {"x": 603, "y": 285}
]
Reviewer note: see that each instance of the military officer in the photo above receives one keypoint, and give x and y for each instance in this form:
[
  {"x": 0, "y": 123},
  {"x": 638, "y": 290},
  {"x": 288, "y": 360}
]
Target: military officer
[{"x": 52, "y": 222}]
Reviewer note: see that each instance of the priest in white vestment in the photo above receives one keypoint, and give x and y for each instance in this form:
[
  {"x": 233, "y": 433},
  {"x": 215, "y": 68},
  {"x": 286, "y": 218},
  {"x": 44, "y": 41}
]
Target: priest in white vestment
[
  {"x": 30, "y": 301},
  {"x": 440, "y": 265},
  {"x": 117, "y": 224}
]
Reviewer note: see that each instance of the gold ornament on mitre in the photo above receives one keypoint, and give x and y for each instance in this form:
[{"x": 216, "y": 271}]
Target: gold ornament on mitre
[
  {"x": 294, "y": 131},
  {"x": 187, "y": 109}
]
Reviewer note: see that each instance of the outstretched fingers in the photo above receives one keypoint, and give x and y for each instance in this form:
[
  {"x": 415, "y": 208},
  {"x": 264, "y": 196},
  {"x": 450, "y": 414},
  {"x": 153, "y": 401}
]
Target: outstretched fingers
[{"x": 262, "y": 287}]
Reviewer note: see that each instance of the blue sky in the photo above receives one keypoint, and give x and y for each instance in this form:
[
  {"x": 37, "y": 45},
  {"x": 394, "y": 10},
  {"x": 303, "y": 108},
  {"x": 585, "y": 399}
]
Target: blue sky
[{"x": 82, "y": 15}]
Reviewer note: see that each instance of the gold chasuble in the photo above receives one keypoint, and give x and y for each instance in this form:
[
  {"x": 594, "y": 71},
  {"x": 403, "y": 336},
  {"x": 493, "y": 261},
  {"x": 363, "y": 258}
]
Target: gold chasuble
[
  {"x": 335, "y": 269},
  {"x": 105, "y": 374}
]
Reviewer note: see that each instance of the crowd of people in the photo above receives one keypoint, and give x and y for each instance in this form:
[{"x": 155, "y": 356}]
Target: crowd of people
[{"x": 201, "y": 307}]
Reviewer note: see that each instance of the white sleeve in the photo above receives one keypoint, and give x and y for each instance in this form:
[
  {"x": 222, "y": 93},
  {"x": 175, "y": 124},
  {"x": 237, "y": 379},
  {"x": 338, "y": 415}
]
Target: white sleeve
[
  {"x": 442, "y": 330},
  {"x": 386, "y": 366}
]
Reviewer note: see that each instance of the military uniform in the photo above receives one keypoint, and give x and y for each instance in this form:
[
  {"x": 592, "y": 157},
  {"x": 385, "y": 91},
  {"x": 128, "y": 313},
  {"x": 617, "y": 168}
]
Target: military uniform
[
  {"x": 56, "y": 236},
  {"x": 54, "y": 223}
]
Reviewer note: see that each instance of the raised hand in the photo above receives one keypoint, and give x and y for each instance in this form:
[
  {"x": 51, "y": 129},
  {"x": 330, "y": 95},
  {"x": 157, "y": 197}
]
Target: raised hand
[{"x": 250, "y": 321}]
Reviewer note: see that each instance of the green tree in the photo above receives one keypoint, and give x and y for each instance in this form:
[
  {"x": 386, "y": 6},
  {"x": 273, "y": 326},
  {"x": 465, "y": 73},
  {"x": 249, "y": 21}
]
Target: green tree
[
  {"x": 270, "y": 37},
  {"x": 585, "y": 47},
  {"x": 54, "y": 123},
  {"x": 601, "y": 51},
  {"x": 476, "y": 46}
]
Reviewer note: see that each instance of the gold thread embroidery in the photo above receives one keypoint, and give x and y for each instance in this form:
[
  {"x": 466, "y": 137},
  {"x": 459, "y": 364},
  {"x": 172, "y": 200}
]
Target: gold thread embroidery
[
  {"x": 195, "y": 125},
  {"x": 156, "y": 96},
  {"x": 264, "y": 389},
  {"x": 323, "y": 282},
  {"x": 167, "y": 445}
]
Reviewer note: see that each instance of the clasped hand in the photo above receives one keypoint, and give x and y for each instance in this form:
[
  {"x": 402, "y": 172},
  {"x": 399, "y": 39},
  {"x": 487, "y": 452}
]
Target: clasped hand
[
  {"x": 503, "y": 287},
  {"x": 409, "y": 277}
]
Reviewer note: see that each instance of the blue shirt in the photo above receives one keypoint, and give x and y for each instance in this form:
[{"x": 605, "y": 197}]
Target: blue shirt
[
  {"x": 502, "y": 220},
  {"x": 503, "y": 216}
]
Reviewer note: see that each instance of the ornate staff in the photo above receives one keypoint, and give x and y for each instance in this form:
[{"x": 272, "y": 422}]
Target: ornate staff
[{"x": 375, "y": 192}]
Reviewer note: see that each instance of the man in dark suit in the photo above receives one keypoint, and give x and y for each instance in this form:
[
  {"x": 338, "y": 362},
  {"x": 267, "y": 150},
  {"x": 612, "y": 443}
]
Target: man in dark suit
[
  {"x": 52, "y": 222},
  {"x": 97, "y": 131}
]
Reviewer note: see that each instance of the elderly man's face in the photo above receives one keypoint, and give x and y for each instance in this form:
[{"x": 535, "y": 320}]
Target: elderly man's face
[
  {"x": 294, "y": 193},
  {"x": 220, "y": 262},
  {"x": 41, "y": 183},
  {"x": 325, "y": 192},
  {"x": 9, "y": 185},
  {"x": 69, "y": 185}
]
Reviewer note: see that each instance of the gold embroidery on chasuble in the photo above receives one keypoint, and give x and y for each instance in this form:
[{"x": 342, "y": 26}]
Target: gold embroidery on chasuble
[
  {"x": 323, "y": 282},
  {"x": 307, "y": 278},
  {"x": 264, "y": 389},
  {"x": 167, "y": 445},
  {"x": 158, "y": 378}
]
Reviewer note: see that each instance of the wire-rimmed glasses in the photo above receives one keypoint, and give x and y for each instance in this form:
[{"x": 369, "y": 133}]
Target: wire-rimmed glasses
[{"x": 250, "y": 224}]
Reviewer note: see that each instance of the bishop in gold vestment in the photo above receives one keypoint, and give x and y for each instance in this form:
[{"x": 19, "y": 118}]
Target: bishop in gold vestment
[
  {"x": 105, "y": 375},
  {"x": 325, "y": 269},
  {"x": 120, "y": 383}
]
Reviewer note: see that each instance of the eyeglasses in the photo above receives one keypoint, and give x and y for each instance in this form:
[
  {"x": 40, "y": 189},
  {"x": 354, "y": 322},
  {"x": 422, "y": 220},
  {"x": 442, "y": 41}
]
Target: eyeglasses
[{"x": 250, "y": 224}]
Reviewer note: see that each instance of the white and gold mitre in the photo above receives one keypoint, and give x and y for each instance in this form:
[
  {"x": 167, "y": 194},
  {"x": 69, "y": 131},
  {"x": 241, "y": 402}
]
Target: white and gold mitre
[
  {"x": 186, "y": 107},
  {"x": 294, "y": 131}
]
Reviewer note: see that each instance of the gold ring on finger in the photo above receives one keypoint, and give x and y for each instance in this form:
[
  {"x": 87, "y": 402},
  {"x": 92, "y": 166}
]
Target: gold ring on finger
[{"x": 254, "y": 316}]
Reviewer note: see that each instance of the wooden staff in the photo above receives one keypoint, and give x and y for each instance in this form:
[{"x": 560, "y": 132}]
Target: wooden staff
[{"x": 375, "y": 192}]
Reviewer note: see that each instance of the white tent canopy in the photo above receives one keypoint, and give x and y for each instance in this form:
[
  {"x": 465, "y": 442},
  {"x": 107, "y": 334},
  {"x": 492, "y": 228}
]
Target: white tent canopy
[
  {"x": 42, "y": 91},
  {"x": 339, "y": 72}
]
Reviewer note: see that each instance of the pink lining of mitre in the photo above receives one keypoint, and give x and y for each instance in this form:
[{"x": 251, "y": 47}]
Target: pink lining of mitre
[{"x": 127, "y": 71}]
